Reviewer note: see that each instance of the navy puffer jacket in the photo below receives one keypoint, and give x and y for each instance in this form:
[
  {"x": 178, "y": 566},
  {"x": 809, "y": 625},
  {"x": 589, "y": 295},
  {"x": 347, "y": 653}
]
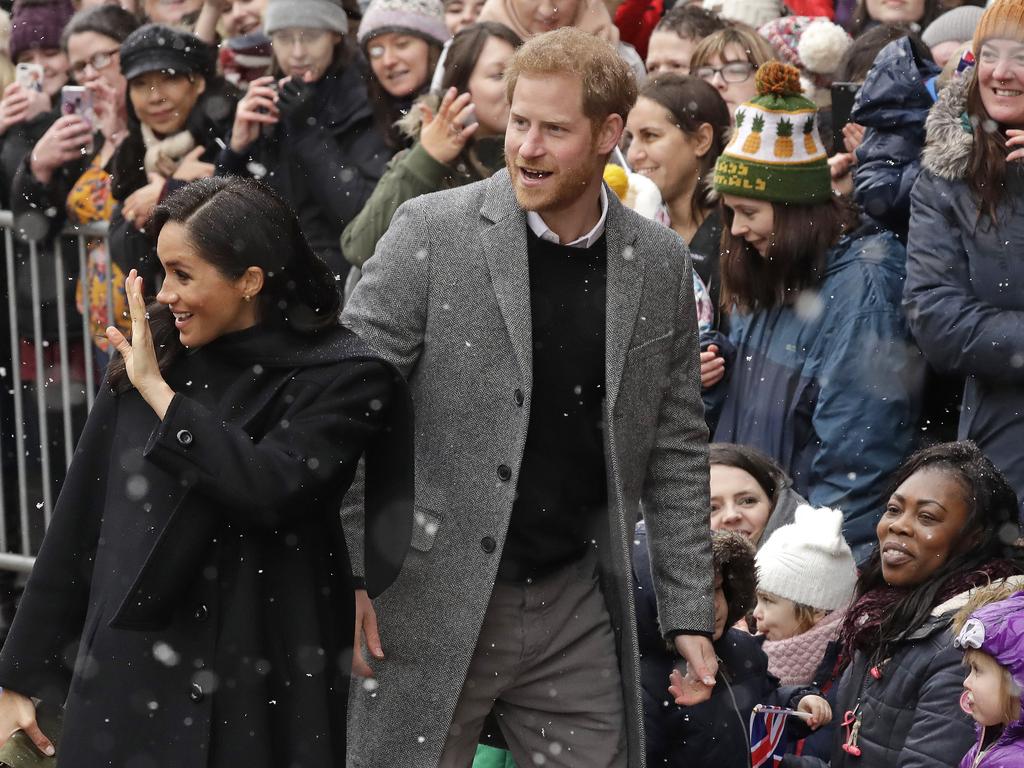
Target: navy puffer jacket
[{"x": 892, "y": 105}]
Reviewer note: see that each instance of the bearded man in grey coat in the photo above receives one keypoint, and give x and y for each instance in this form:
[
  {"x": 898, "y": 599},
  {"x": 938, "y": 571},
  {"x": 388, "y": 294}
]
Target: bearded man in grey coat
[{"x": 549, "y": 337}]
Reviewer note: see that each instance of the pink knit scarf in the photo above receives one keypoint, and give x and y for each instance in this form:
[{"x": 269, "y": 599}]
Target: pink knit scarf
[{"x": 795, "y": 660}]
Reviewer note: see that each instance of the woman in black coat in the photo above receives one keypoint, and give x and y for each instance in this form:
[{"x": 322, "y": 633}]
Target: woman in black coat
[{"x": 192, "y": 603}]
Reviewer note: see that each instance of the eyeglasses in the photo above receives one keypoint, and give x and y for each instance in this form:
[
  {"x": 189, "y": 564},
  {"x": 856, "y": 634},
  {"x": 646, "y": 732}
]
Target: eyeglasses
[
  {"x": 733, "y": 72},
  {"x": 99, "y": 60},
  {"x": 287, "y": 38}
]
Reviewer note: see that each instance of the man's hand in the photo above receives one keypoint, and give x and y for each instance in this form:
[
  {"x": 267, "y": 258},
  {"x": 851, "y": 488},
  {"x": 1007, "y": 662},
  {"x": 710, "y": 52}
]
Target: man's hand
[
  {"x": 366, "y": 633},
  {"x": 701, "y": 667}
]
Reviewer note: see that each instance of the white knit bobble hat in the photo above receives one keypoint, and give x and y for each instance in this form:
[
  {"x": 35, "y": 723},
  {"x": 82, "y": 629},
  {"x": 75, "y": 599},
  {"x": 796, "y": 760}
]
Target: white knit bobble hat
[{"x": 809, "y": 561}]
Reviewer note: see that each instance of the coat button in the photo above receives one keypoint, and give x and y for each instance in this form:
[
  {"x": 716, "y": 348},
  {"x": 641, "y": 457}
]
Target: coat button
[
  {"x": 504, "y": 473},
  {"x": 196, "y": 692},
  {"x": 184, "y": 437},
  {"x": 487, "y": 544},
  {"x": 520, "y": 398},
  {"x": 202, "y": 614}
]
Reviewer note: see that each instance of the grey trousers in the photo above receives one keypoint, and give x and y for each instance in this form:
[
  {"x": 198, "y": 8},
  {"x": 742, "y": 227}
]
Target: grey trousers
[{"x": 546, "y": 664}]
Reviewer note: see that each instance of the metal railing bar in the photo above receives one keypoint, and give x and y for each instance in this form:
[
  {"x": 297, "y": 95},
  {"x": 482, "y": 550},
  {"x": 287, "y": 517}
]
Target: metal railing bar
[
  {"x": 19, "y": 406},
  {"x": 83, "y": 277},
  {"x": 37, "y": 335},
  {"x": 62, "y": 339}
]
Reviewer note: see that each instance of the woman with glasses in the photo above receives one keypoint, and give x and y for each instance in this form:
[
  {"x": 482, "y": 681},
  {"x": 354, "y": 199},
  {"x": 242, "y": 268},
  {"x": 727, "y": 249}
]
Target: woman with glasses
[
  {"x": 309, "y": 131},
  {"x": 727, "y": 59},
  {"x": 68, "y": 174},
  {"x": 402, "y": 40}
]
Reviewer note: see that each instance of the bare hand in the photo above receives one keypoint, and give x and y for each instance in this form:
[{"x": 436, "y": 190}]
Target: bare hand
[
  {"x": 1015, "y": 143},
  {"x": 841, "y": 167},
  {"x": 66, "y": 140},
  {"x": 139, "y": 206},
  {"x": 818, "y": 709},
  {"x": 192, "y": 168},
  {"x": 853, "y": 136},
  {"x": 712, "y": 367},
  {"x": 20, "y": 105},
  {"x": 257, "y": 108},
  {"x": 446, "y": 134},
  {"x": 701, "y": 667},
  {"x": 139, "y": 354},
  {"x": 366, "y": 633},
  {"x": 110, "y": 109},
  {"x": 18, "y": 713}
]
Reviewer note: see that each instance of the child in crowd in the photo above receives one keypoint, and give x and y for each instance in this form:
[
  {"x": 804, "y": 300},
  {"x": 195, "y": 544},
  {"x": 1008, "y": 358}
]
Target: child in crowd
[
  {"x": 805, "y": 581},
  {"x": 991, "y": 633},
  {"x": 713, "y": 732}
]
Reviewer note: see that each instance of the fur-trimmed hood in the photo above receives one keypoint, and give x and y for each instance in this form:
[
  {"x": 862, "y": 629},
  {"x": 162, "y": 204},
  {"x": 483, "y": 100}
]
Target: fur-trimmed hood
[{"x": 947, "y": 150}]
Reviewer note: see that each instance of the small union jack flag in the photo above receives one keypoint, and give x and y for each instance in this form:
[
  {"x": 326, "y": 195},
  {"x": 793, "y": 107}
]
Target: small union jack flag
[{"x": 767, "y": 742}]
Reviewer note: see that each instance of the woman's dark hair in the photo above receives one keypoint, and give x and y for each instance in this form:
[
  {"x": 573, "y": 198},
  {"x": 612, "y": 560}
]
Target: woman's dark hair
[
  {"x": 862, "y": 23},
  {"x": 860, "y": 56},
  {"x": 795, "y": 260},
  {"x": 691, "y": 103},
  {"x": 236, "y": 223},
  {"x": 986, "y": 176},
  {"x": 691, "y": 22},
  {"x": 464, "y": 51},
  {"x": 989, "y": 534},
  {"x": 111, "y": 21},
  {"x": 764, "y": 469},
  {"x": 388, "y": 109}
]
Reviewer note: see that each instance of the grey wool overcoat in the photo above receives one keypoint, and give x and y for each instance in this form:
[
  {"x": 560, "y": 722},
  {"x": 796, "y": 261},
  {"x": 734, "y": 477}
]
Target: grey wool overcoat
[{"x": 446, "y": 298}]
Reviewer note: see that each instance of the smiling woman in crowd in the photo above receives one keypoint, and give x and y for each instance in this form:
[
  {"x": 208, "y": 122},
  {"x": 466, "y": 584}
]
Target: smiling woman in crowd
[{"x": 402, "y": 40}]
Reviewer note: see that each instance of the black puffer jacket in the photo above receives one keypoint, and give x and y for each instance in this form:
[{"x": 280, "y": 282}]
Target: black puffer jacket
[{"x": 892, "y": 105}]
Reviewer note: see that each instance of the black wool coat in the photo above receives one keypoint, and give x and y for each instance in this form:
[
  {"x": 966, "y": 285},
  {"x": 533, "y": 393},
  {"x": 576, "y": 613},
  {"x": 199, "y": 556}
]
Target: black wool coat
[{"x": 193, "y": 602}]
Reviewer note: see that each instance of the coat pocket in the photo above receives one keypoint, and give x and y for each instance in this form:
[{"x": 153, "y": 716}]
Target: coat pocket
[
  {"x": 651, "y": 347},
  {"x": 424, "y": 528}
]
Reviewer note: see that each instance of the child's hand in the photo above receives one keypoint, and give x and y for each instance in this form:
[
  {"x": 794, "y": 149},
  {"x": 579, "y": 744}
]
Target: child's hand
[{"x": 818, "y": 709}]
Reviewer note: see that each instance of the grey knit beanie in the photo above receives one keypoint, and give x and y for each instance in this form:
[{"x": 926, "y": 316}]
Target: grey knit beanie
[
  {"x": 956, "y": 25},
  {"x": 423, "y": 18},
  {"x": 309, "y": 14}
]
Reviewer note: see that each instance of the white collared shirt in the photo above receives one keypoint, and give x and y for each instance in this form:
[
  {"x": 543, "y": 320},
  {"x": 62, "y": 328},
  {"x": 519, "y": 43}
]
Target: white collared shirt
[{"x": 543, "y": 231}]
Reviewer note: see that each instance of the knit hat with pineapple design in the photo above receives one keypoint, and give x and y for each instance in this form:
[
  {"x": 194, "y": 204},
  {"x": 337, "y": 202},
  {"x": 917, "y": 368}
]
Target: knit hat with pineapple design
[{"x": 776, "y": 153}]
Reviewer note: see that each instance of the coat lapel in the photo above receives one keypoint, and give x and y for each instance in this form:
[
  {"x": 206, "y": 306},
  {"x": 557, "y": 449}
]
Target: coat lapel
[
  {"x": 504, "y": 242},
  {"x": 625, "y": 288}
]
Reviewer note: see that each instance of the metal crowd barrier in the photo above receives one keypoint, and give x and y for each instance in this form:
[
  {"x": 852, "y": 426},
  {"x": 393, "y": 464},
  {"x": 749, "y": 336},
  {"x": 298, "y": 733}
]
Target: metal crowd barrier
[{"x": 20, "y": 536}]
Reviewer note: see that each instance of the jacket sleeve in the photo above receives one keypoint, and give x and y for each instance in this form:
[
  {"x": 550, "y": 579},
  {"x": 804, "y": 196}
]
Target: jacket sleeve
[
  {"x": 341, "y": 168},
  {"x": 263, "y": 483},
  {"x": 865, "y": 415},
  {"x": 131, "y": 248},
  {"x": 958, "y": 332},
  {"x": 675, "y": 494},
  {"x": 409, "y": 175},
  {"x": 39, "y": 654},
  {"x": 35, "y": 204},
  {"x": 884, "y": 177},
  {"x": 940, "y": 734}
]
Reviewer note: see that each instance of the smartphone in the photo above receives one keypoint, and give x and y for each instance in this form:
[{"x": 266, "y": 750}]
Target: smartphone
[
  {"x": 76, "y": 100},
  {"x": 844, "y": 95},
  {"x": 29, "y": 76}
]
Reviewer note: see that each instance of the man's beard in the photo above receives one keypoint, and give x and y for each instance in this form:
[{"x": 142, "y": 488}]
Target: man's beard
[{"x": 562, "y": 189}]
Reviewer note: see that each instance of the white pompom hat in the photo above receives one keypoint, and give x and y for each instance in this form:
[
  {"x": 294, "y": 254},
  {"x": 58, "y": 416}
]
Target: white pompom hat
[{"x": 809, "y": 561}]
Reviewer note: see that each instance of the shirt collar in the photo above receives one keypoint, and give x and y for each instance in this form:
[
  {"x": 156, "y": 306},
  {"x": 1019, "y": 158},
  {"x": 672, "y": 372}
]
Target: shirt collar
[{"x": 541, "y": 230}]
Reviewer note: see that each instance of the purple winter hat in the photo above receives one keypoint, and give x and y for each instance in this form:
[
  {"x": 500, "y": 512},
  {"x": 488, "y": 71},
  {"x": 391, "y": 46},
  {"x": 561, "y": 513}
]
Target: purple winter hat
[
  {"x": 998, "y": 630},
  {"x": 38, "y": 24}
]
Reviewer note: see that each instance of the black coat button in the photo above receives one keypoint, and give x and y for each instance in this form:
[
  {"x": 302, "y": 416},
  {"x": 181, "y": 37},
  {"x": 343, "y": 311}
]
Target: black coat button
[
  {"x": 487, "y": 544},
  {"x": 196, "y": 692},
  {"x": 520, "y": 398},
  {"x": 504, "y": 473},
  {"x": 184, "y": 437},
  {"x": 202, "y": 613}
]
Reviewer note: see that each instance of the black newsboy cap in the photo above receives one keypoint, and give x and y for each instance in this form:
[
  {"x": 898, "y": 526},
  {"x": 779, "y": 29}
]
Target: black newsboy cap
[{"x": 155, "y": 48}]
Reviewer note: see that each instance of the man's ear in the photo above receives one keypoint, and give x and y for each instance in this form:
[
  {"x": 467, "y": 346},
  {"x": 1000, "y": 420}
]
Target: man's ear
[{"x": 609, "y": 134}]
